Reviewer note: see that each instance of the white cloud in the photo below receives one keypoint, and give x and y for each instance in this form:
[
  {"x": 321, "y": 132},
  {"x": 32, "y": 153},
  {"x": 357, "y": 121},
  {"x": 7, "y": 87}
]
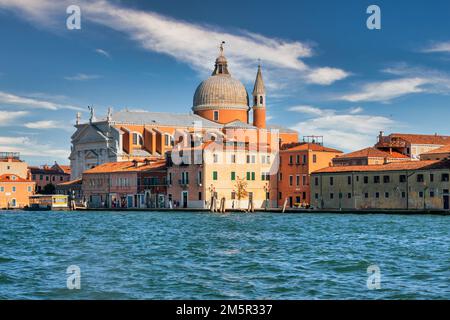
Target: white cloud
[
  {"x": 103, "y": 53},
  {"x": 7, "y": 116},
  {"x": 356, "y": 110},
  {"x": 12, "y": 99},
  {"x": 29, "y": 147},
  {"x": 82, "y": 77},
  {"x": 344, "y": 131},
  {"x": 310, "y": 110},
  {"x": 47, "y": 124},
  {"x": 196, "y": 44},
  {"x": 387, "y": 90},
  {"x": 326, "y": 76},
  {"x": 440, "y": 47}
]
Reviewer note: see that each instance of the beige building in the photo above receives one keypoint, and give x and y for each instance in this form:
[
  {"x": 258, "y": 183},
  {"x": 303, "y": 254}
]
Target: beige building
[
  {"x": 213, "y": 171},
  {"x": 411, "y": 185},
  {"x": 441, "y": 153},
  {"x": 10, "y": 163}
]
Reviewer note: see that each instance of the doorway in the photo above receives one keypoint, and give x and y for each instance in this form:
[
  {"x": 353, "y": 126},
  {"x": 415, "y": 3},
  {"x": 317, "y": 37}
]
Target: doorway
[
  {"x": 446, "y": 202},
  {"x": 184, "y": 197}
]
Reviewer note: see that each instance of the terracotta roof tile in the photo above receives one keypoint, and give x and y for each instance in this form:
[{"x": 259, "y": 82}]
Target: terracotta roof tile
[
  {"x": 125, "y": 166},
  {"x": 310, "y": 146},
  {"x": 422, "y": 138},
  {"x": 444, "y": 149},
  {"x": 372, "y": 152},
  {"x": 12, "y": 178}
]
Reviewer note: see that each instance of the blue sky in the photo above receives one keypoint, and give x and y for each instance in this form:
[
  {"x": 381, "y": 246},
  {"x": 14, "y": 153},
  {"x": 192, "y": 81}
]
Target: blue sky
[{"x": 326, "y": 73}]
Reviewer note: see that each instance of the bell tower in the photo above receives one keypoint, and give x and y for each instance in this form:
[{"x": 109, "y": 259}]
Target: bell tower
[{"x": 259, "y": 101}]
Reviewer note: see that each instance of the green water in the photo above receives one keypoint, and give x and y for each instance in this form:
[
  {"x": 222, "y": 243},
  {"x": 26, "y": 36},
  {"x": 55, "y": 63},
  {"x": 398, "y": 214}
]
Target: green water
[{"x": 143, "y": 255}]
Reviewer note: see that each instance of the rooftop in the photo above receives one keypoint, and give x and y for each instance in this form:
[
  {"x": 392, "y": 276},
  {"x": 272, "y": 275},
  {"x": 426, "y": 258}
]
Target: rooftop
[
  {"x": 126, "y": 166},
  {"x": 422, "y": 138},
  {"x": 12, "y": 178},
  {"x": 309, "y": 146},
  {"x": 444, "y": 149},
  {"x": 393, "y": 166},
  {"x": 372, "y": 152}
]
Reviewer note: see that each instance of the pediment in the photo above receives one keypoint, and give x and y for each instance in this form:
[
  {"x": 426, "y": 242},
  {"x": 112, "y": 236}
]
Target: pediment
[{"x": 90, "y": 134}]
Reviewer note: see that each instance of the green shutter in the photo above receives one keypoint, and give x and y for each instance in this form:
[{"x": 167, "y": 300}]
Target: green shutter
[
  {"x": 214, "y": 175},
  {"x": 233, "y": 175},
  {"x": 253, "y": 176},
  {"x": 248, "y": 175}
]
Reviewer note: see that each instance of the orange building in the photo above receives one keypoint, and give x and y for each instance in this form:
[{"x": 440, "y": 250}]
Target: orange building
[
  {"x": 15, "y": 184},
  {"x": 297, "y": 162},
  {"x": 46, "y": 175}
]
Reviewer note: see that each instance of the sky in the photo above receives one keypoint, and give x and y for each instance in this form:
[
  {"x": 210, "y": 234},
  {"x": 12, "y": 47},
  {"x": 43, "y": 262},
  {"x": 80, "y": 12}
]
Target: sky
[{"x": 326, "y": 73}]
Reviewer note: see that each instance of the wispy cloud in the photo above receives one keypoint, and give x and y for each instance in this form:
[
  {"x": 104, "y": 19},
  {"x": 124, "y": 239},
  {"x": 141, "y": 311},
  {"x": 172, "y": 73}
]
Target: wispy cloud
[
  {"x": 7, "y": 98},
  {"x": 31, "y": 148},
  {"x": 438, "y": 47},
  {"x": 7, "y": 116},
  {"x": 197, "y": 44},
  {"x": 82, "y": 77},
  {"x": 384, "y": 91},
  {"x": 48, "y": 124},
  {"x": 103, "y": 53},
  {"x": 346, "y": 131}
]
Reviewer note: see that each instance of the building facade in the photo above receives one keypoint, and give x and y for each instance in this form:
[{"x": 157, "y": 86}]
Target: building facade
[
  {"x": 49, "y": 176},
  {"x": 369, "y": 156},
  {"x": 297, "y": 162},
  {"x": 242, "y": 177},
  {"x": 126, "y": 184},
  {"x": 411, "y": 185},
  {"x": 15, "y": 183}
]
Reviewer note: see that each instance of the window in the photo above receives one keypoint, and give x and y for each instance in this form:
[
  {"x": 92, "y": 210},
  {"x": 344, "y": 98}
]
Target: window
[
  {"x": 215, "y": 158},
  {"x": 377, "y": 195},
  {"x": 248, "y": 158},
  {"x": 255, "y": 100},
  {"x": 216, "y": 115},
  {"x": 199, "y": 195},
  {"x": 29, "y": 189},
  {"x": 297, "y": 180},
  {"x": 420, "y": 178},
  {"x": 376, "y": 179},
  {"x": 214, "y": 175},
  {"x": 280, "y": 195},
  {"x": 403, "y": 194},
  {"x": 291, "y": 178},
  {"x": 316, "y": 181},
  {"x": 304, "y": 180},
  {"x": 431, "y": 194},
  {"x": 46, "y": 178},
  {"x": 316, "y": 196},
  {"x": 305, "y": 160},
  {"x": 137, "y": 139},
  {"x": 420, "y": 194},
  {"x": 366, "y": 195},
  {"x": 386, "y": 194},
  {"x": 170, "y": 178},
  {"x": 13, "y": 189},
  {"x": 331, "y": 195},
  {"x": 233, "y": 175},
  {"x": 233, "y": 195},
  {"x": 402, "y": 178},
  {"x": 280, "y": 176},
  {"x": 349, "y": 195},
  {"x": 444, "y": 177},
  {"x": 297, "y": 200},
  {"x": 185, "y": 177},
  {"x": 366, "y": 179},
  {"x": 291, "y": 160},
  {"x": 233, "y": 158},
  {"x": 331, "y": 181},
  {"x": 314, "y": 158},
  {"x": 168, "y": 140},
  {"x": 349, "y": 180},
  {"x": 261, "y": 100},
  {"x": 297, "y": 159},
  {"x": 431, "y": 177},
  {"x": 2, "y": 189},
  {"x": 253, "y": 176}
]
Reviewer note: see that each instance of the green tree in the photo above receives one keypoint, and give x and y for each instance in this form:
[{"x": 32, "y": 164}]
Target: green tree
[{"x": 48, "y": 189}]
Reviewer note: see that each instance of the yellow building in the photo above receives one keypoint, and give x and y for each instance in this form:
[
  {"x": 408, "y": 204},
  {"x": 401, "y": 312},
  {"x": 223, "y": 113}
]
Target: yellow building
[
  {"x": 211, "y": 172},
  {"x": 409, "y": 185}
]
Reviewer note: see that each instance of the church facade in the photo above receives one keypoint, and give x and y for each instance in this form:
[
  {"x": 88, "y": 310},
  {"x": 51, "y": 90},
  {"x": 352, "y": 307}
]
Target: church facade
[{"x": 221, "y": 105}]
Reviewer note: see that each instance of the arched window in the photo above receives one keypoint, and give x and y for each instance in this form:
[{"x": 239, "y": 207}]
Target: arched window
[
  {"x": 255, "y": 100},
  {"x": 261, "y": 100},
  {"x": 216, "y": 115}
]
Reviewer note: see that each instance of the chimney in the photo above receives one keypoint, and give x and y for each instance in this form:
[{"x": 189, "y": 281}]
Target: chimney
[{"x": 135, "y": 163}]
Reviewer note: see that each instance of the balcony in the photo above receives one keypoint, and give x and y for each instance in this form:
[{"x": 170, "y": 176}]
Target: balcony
[{"x": 184, "y": 183}]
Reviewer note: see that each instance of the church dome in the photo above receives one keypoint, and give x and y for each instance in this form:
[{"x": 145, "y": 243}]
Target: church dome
[{"x": 220, "y": 90}]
